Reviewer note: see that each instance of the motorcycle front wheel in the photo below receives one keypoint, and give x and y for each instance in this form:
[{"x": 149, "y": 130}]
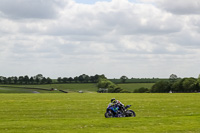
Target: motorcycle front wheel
[{"x": 132, "y": 113}]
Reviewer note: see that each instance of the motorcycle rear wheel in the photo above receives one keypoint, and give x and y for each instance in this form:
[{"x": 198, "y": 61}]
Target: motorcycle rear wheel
[{"x": 108, "y": 114}]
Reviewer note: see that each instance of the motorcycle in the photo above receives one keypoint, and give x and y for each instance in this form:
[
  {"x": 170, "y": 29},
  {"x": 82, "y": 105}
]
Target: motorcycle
[{"x": 119, "y": 111}]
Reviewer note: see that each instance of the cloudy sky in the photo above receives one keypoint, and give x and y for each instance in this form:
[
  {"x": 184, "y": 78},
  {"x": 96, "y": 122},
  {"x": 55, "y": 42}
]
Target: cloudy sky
[{"x": 67, "y": 38}]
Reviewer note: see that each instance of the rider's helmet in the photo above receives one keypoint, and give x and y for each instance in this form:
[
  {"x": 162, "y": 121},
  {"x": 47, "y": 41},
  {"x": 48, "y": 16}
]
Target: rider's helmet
[{"x": 113, "y": 100}]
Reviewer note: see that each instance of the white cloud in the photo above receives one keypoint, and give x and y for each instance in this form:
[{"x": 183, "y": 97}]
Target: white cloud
[
  {"x": 8, "y": 27},
  {"x": 20, "y": 9},
  {"x": 180, "y": 6},
  {"x": 62, "y": 37}
]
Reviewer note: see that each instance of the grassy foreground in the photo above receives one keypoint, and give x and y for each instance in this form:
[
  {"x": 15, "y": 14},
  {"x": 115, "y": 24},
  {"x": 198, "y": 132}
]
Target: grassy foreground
[{"x": 84, "y": 113}]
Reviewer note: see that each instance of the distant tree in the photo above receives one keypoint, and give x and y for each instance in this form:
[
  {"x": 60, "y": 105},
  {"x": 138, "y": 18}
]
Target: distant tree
[
  {"x": 161, "y": 87},
  {"x": 31, "y": 80},
  {"x": 65, "y": 80},
  {"x": 5, "y": 80},
  {"x": 48, "y": 80},
  {"x": 70, "y": 79},
  {"x": 21, "y": 79},
  {"x": 123, "y": 79},
  {"x": 87, "y": 79},
  {"x": 185, "y": 85},
  {"x": 37, "y": 80},
  {"x": 59, "y": 79},
  {"x": 81, "y": 78},
  {"x": 92, "y": 79},
  {"x": 76, "y": 79},
  {"x": 9, "y": 79},
  {"x": 177, "y": 86},
  {"x": 198, "y": 84},
  {"x": 96, "y": 77},
  {"x": 15, "y": 79},
  {"x": 44, "y": 80},
  {"x": 198, "y": 79},
  {"x": 26, "y": 79},
  {"x": 1, "y": 79},
  {"x": 173, "y": 77},
  {"x": 39, "y": 76},
  {"x": 195, "y": 86},
  {"x": 102, "y": 76},
  {"x": 189, "y": 84}
]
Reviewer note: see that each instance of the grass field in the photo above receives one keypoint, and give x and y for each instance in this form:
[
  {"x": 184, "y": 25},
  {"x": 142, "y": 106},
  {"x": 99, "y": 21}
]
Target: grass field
[
  {"x": 73, "y": 87},
  {"x": 84, "y": 113},
  {"x": 13, "y": 89}
]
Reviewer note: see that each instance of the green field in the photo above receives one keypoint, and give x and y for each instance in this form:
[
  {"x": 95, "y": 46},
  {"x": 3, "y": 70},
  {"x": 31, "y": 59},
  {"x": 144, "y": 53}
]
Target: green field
[
  {"x": 73, "y": 87},
  {"x": 132, "y": 86},
  {"x": 12, "y": 89},
  {"x": 84, "y": 113}
]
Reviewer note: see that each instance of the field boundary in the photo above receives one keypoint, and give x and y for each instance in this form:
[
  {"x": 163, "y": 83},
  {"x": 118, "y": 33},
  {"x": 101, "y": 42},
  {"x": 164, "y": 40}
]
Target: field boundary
[{"x": 33, "y": 88}]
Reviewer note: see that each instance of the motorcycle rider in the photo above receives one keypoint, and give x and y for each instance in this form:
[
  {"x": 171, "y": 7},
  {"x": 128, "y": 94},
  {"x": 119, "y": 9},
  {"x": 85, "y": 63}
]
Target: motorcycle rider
[{"x": 116, "y": 103}]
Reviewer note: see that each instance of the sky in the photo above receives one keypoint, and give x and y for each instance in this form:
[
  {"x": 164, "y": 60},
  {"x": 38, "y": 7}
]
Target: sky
[{"x": 67, "y": 38}]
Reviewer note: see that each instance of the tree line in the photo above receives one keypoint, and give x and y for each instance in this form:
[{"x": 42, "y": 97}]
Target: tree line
[
  {"x": 124, "y": 79},
  {"x": 80, "y": 79},
  {"x": 40, "y": 79},
  {"x": 173, "y": 85},
  {"x": 187, "y": 85}
]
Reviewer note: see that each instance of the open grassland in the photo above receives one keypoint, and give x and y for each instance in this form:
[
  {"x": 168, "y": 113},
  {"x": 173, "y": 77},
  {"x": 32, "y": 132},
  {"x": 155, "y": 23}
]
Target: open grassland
[
  {"x": 12, "y": 89},
  {"x": 71, "y": 87},
  {"x": 132, "y": 86},
  {"x": 84, "y": 113}
]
